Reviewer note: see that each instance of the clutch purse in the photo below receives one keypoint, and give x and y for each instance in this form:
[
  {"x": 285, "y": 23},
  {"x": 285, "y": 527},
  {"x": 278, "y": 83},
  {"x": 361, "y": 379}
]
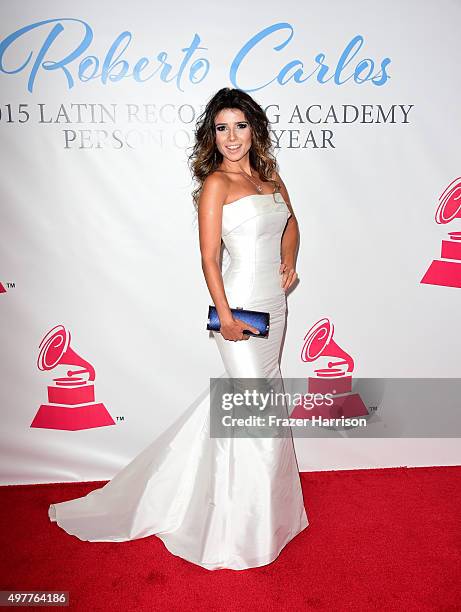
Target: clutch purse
[{"x": 257, "y": 319}]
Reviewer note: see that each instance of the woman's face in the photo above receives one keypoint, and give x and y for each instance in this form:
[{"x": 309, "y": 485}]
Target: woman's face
[{"x": 232, "y": 133}]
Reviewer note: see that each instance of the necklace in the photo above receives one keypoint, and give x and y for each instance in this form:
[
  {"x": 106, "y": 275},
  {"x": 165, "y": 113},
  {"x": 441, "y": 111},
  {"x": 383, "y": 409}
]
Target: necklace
[{"x": 258, "y": 187}]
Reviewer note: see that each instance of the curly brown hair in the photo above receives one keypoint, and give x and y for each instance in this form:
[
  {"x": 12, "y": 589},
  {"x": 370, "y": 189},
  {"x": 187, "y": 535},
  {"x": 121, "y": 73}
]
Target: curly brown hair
[{"x": 205, "y": 157}]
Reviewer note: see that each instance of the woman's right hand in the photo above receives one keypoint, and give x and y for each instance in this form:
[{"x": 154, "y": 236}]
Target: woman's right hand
[{"x": 233, "y": 329}]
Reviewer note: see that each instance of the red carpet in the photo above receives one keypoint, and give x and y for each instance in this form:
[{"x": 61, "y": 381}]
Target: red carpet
[{"x": 387, "y": 539}]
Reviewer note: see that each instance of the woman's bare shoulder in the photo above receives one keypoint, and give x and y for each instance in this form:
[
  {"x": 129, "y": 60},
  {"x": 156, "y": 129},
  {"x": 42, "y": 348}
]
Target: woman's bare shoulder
[
  {"x": 216, "y": 177},
  {"x": 284, "y": 191},
  {"x": 276, "y": 177},
  {"x": 215, "y": 187}
]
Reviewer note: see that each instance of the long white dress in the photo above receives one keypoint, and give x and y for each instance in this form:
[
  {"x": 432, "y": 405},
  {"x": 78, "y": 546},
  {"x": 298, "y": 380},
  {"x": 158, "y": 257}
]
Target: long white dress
[{"x": 226, "y": 502}]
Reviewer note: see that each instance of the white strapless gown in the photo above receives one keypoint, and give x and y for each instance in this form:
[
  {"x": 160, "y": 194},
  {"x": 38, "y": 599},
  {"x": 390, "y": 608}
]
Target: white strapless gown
[{"x": 217, "y": 502}]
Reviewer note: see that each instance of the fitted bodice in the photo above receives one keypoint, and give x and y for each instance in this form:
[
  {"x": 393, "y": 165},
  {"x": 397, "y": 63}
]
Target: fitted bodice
[{"x": 252, "y": 227}]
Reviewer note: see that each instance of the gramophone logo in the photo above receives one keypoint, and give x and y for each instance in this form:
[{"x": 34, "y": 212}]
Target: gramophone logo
[
  {"x": 447, "y": 270},
  {"x": 334, "y": 380},
  {"x": 71, "y": 404}
]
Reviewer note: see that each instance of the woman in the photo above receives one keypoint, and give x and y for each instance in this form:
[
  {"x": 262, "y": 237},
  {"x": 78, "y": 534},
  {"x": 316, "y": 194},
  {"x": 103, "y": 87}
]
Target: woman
[{"x": 233, "y": 501}]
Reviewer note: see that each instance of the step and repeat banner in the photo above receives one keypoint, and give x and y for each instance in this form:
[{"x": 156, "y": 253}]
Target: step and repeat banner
[{"x": 103, "y": 303}]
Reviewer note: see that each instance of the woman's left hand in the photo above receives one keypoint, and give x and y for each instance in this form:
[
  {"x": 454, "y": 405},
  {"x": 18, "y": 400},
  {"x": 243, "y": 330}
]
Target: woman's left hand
[{"x": 288, "y": 274}]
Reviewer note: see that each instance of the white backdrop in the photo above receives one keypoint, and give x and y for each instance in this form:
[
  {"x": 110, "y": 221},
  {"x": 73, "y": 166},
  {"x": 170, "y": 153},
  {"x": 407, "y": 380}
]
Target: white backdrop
[{"x": 99, "y": 232}]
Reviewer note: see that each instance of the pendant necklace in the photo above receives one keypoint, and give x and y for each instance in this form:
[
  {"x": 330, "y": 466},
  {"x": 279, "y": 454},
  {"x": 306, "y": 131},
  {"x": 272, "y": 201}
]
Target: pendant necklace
[{"x": 258, "y": 187}]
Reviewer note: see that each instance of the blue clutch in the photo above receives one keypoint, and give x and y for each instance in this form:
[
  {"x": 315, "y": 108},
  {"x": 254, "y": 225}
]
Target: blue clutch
[{"x": 257, "y": 319}]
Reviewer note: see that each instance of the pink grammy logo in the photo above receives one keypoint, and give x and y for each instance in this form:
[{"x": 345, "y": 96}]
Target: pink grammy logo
[
  {"x": 4, "y": 287},
  {"x": 71, "y": 398},
  {"x": 447, "y": 270},
  {"x": 334, "y": 380}
]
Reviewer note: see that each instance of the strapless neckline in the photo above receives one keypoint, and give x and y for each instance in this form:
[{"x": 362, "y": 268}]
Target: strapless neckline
[{"x": 252, "y": 195}]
